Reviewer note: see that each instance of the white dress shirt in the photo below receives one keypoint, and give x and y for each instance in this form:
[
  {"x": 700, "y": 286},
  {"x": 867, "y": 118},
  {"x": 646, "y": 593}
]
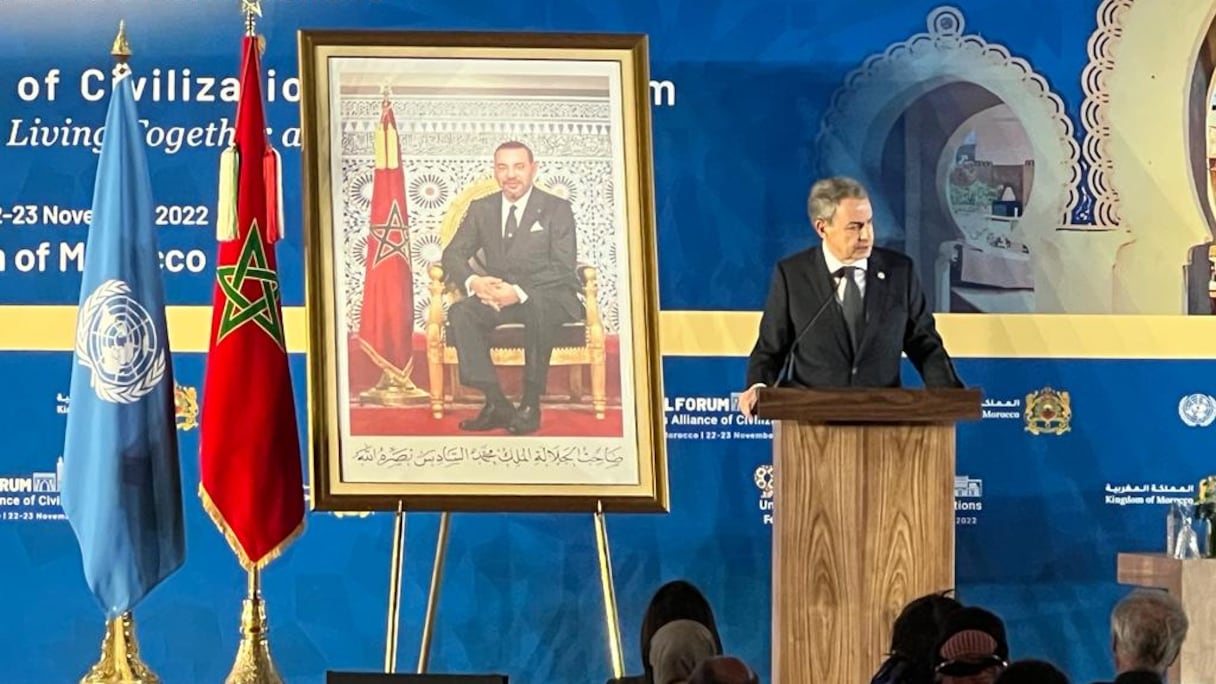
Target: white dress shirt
[
  {"x": 859, "y": 275},
  {"x": 519, "y": 204}
]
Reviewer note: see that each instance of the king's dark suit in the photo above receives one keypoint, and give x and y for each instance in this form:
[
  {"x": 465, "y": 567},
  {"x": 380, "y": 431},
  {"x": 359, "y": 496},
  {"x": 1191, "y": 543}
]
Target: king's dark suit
[
  {"x": 896, "y": 319},
  {"x": 540, "y": 259}
]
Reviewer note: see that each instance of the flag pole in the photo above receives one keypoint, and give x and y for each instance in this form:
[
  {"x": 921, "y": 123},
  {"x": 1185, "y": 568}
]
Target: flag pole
[
  {"x": 396, "y": 385},
  {"x": 253, "y": 664},
  {"x": 120, "y": 662}
]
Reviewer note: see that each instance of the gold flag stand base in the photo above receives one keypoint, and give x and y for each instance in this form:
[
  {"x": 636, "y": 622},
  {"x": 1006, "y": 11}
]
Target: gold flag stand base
[
  {"x": 395, "y": 391},
  {"x": 120, "y": 663},
  {"x": 253, "y": 664},
  {"x": 395, "y": 396}
]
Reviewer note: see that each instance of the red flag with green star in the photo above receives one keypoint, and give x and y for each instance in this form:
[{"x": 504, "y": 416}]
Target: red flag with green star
[
  {"x": 249, "y": 450},
  {"x": 386, "y": 324}
]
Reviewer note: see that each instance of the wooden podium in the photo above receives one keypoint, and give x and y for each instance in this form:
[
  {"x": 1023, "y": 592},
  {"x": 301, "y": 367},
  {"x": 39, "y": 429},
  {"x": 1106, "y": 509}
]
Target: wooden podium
[{"x": 863, "y": 520}]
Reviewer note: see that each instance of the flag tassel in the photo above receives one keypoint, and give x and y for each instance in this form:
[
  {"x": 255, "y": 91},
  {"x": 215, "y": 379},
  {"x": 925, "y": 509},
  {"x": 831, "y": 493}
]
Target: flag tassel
[
  {"x": 272, "y": 175},
  {"x": 225, "y": 211}
]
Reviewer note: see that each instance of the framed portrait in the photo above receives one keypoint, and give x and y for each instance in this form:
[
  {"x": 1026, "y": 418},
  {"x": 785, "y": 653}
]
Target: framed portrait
[{"x": 482, "y": 289}]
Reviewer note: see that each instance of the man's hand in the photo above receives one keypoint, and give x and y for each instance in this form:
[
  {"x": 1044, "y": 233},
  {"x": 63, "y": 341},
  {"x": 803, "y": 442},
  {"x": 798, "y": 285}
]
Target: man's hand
[
  {"x": 493, "y": 291},
  {"x": 504, "y": 295},
  {"x": 747, "y": 400},
  {"x": 483, "y": 288}
]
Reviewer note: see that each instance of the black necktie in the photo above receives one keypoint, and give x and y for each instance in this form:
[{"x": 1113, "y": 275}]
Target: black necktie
[
  {"x": 854, "y": 314},
  {"x": 512, "y": 223}
]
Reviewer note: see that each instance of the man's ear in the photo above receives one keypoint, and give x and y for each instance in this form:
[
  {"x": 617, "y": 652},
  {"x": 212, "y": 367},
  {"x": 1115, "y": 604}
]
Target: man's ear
[{"x": 820, "y": 226}]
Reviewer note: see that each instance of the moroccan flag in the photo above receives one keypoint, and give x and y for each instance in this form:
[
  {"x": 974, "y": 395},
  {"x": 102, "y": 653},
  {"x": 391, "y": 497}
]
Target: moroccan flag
[
  {"x": 121, "y": 487},
  {"x": 386, "y": 324},
  {"x": 249, "y": 450}
]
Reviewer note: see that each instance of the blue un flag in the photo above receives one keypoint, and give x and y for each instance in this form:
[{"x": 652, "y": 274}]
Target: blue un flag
[{"x": 121, "y": 486}]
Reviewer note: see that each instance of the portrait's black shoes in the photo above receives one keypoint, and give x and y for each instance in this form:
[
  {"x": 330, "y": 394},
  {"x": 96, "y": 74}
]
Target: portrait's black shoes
[
  {"x": 527, "y": 421},
  {"x": 492, "y": 416}
]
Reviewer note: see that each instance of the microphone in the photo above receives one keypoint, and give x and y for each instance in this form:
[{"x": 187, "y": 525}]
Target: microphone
[{"x": 787, "y": 369}]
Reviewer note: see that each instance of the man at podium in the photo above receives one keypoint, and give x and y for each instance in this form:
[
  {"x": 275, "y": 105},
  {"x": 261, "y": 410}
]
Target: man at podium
[{"x": 841, "y": 314}]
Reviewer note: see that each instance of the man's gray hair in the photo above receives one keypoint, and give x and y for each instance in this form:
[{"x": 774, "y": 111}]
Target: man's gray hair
[
  {"x": 1149, "y": 627},
  {"x": 826, "y": 195}
]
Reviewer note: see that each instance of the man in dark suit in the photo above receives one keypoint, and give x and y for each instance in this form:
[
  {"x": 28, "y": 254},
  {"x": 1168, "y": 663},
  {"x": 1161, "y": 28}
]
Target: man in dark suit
[
  {"x": 524, "y": 240},
  {"x": 1148, "y": 627},
  {"x": 840, "y": 315}
]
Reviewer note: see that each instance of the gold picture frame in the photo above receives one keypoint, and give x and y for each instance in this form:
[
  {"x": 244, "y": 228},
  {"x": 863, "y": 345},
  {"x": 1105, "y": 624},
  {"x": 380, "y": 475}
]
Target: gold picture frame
[{"x": 421, "y": 118}]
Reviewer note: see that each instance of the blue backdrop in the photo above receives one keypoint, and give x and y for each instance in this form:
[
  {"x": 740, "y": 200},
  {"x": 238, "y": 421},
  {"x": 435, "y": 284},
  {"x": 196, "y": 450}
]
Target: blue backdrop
[{"x": 1039, "y": 522}]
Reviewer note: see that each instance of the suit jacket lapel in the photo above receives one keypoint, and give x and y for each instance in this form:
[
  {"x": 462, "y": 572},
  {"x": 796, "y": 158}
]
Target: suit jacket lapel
[
  {"x": 824, "y": 286},
  {"x": 494, "y": 242},
  {"x": 875, "y": 298}
]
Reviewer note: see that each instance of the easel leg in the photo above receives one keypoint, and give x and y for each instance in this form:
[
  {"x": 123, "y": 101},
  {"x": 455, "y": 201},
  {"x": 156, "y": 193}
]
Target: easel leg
[
  {"x": 610, "y": 612},
  {"x": 432, "y": 599},
  {"x": 394, "y": 589}
]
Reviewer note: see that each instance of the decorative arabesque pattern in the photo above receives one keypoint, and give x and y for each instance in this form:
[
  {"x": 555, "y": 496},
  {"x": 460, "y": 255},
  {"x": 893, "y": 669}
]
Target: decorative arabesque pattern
[
  {"x": 1103, "y": 44},
  {"x": 946, "y": 35},
  {"x": 447, "y": 145}
]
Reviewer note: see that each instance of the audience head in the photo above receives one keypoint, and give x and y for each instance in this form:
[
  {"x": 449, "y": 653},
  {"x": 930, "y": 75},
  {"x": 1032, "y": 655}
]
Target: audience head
[
  {"x": 914, "y": 633},
  {"x": 1147, "y": 630},
  {"x": 1032, "y": 672},
  {"x": 913, "y": 636},
  {"x": 677, "y": 600},
  {"x": 677, "y": 648},
  {"x": 972, "y": 648},
  {"x": 723, "y": 670}
]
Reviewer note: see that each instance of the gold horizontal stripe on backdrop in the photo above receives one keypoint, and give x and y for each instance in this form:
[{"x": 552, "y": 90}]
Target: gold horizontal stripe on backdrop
[{"x": 731, "y": 333}]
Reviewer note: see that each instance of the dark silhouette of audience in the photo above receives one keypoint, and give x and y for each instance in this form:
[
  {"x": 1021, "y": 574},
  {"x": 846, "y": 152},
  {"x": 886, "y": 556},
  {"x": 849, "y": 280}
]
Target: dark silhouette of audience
[
  {"x": 913, "y": 637},
  {"x": 677, "y": 600},
  {"x": 934, "y": 640}
]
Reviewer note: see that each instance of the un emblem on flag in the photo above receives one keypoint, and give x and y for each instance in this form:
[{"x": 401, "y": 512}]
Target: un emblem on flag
[{"x": 117, "y": 341}]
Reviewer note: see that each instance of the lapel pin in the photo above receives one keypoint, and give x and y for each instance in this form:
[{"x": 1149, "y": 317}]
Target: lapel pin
[{"x": 882, "y": 276}]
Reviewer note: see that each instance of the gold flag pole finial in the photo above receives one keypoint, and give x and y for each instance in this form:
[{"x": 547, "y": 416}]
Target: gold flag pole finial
[
  {"x": 121, "y": 50},
  {"x": 251, "y": 9}
]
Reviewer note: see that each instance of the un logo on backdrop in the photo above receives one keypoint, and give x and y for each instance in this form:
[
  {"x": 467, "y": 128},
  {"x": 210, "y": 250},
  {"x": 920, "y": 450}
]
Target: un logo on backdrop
[
  {"x": 1197, "y": 410},
  {"x": 117, "y": 341}
]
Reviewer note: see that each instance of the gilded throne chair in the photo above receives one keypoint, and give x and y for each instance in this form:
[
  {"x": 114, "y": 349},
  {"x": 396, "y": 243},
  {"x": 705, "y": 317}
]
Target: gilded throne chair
[{"x": 580, "y": 344}]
